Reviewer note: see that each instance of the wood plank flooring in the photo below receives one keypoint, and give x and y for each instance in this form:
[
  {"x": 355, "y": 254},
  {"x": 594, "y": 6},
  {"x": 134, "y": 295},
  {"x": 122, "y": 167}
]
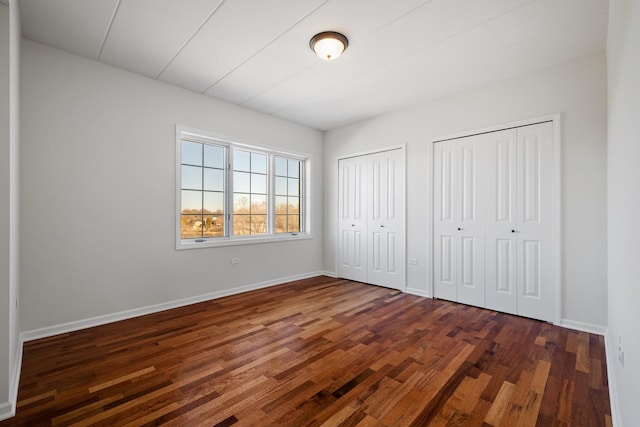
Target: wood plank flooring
[{"x": 317, "y": 352}]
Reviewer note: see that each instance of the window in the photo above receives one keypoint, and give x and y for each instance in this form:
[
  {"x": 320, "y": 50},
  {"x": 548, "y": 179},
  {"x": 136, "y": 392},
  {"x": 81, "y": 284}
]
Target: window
[
  {"x": 249, "y": 193},
  {"x": 287, "y": 192},
  {"x": 231, "y": 193},
  {"x": 202, "y": 212}
]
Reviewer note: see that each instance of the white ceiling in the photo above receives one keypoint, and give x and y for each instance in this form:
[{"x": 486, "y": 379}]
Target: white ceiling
[{"x": 255, "y": 53}]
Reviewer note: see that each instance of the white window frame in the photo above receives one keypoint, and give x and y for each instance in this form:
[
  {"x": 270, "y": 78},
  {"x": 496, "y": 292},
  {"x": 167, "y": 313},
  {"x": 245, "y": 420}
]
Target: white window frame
[{"x": 198, "y": 136}]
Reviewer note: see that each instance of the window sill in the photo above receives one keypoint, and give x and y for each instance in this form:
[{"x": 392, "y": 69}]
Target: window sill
[{"x": 216, "y": 242}]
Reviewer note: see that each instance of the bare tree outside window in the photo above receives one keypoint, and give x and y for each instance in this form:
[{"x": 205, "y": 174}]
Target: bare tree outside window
[
  {"x": 249, "y": 193},
  {"x": 288, "y": 192},
  {"x": 202, "y": 190}
]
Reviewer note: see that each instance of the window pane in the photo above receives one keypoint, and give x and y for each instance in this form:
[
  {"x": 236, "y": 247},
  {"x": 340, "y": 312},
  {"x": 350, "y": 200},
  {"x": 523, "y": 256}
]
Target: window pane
[
  {"x": 294, "y": 187},
  {"x": 213, "y": 226},
  {"x": 281, "y": 186},
  {"x": 241, "y": 225},
  {"x": 214, "y": 203},
  {"x": 190, "y": 226},
  {"x": 281, "y": 224},
  {"x": 258, "y": 183},
  {"x": 258, "y": 224},
  {"x": 281, "y": 205},
  {"x": 192, "y": 177},
  {"x": 294, "y": 223},
  {"x": 294, "y": 168},
  {"x": 294, "y": 205},
  {"x": 258, "y": 163},
  {"x": 191, "y": 202},
  {"x": 258, "y": 204},
  {"x": 241, "y": 204},
  {"x": 281, "y": 166},
  {"x": 241, "y": 160},
  {"x": 241, "y": 182},
  {"x": 214, "y": 156},
  {"x": 213, "y": 179},
  {"x": 191, "y": 153}
]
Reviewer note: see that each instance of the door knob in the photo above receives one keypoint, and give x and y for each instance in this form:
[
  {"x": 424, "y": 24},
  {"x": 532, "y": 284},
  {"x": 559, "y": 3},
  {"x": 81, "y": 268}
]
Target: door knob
[
  {"x": 459, "y": 229},
  {"x": 353, "y": 225},
  {"x": 513, "y": 231},
  {"x": 381, "y": 225}
]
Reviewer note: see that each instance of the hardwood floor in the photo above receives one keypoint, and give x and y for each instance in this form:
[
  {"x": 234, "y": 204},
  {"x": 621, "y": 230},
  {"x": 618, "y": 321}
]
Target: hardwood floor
[{"x": 315, "y": 352}]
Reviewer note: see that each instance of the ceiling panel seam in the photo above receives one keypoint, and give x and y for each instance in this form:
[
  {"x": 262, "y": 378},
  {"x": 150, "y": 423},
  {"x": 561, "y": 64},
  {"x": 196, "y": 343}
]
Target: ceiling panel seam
[
  {"x": 352, "y": 42},
  {"x": 106, "y": 33},
  {"x": 265, "y": 46},
  {"x": 402, "y": 58},
  {"x": 215, "y": 9}
]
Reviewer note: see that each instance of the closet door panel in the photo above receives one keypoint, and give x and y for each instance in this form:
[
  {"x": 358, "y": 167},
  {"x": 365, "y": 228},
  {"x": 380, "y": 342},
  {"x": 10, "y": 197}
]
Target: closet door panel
[
  {"x": 534, "y": 223},
  {"x": 385, "y": 225},
  {"x": 444, "y": 226},
  {"x": 377, "y": 206},
  {"x": 395, "y": 217},
  {"x": 500, "y": 222},
  {"x": 470, "y": 220},
  {"x": 352, "y": 234}
]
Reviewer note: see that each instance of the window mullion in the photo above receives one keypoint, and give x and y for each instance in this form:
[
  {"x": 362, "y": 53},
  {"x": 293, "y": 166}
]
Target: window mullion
[
  {"x": 301, "y": 196},
  {"x": 229, "y": 192},
  {"x": 202, "y": 195},
  {"x": 271, "y": 199}
]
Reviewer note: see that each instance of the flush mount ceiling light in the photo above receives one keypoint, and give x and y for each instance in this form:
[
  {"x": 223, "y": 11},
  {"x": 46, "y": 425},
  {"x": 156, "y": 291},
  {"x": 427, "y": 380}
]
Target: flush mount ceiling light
[{"x": 328, "y": 45}]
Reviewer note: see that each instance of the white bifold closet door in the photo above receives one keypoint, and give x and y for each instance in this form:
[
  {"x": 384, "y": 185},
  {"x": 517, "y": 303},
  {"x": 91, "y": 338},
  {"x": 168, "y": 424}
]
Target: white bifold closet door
[
  {"x": 371, "y": 242},
  {"x": 352, "y": 224},
  {"x": 493, "y": 208},
  {"x": 458, "y": 228},
  {"x": 500, "y": 226}
]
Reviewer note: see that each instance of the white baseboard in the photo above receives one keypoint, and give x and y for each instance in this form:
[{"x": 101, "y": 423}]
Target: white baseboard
[
  {"x": 330, "y": 274},
  {"x": 583, "y": 327},
  {"x": 15, "y": 374},
  {"x": 8, "y": 409},
  {"x": 611, "y": 377},
  {"x": 418, "y": 292},
  {"x": 76, "y": 325}
]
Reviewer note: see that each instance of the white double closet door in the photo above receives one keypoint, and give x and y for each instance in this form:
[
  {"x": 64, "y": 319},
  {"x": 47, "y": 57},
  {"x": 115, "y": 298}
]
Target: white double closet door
[
  {"x": 493, "y": 220},
  {"x": 371, "y": 242}
]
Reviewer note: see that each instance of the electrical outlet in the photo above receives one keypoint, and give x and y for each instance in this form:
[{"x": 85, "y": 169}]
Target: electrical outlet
[
  {"x": 235, "y": 260},
  {"x": 620, "y": 351}
]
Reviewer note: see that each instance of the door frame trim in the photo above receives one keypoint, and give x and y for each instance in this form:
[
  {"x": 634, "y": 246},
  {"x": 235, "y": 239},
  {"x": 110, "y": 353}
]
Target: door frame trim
[
  {"x": 556, "y": 220},
  {"x": 403, "y": 148}
]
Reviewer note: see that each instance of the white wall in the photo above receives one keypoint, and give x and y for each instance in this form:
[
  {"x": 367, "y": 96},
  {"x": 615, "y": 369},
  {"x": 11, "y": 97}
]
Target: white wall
[
  {"x": 577, "y": 89},
  {"x": 98, "y": 192},
  {"x": 5, "y": 224},
  {"x": 9, "y": 205},
  {"x": 623, "y": 52}
]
